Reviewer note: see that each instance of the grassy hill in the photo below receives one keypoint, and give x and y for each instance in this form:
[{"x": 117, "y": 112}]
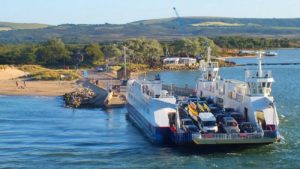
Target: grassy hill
[
  {"x": 162, "y": 29},
  {"x": 4, "y": 26}
]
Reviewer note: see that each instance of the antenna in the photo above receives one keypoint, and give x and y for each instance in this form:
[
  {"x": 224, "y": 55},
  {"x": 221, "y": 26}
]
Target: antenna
[
  {"x": 208, "y": 54},
  {"x": 259, "y": 64},
  {"x": 125, "y": 73}
]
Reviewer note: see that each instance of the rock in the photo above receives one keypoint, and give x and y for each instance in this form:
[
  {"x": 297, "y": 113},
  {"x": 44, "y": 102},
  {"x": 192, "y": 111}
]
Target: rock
[{"x": 79, "y": 98}]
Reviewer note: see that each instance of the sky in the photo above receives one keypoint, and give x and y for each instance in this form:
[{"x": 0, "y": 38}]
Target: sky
[{"x": 56, "y": 12}]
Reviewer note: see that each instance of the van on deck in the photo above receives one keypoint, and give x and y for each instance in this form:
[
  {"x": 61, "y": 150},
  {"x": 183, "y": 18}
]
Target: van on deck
[{"x": 207, "y": 122}]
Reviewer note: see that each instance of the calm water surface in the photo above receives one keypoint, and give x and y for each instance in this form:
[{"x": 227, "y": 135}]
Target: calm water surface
[{"x": 38, "y": 132}]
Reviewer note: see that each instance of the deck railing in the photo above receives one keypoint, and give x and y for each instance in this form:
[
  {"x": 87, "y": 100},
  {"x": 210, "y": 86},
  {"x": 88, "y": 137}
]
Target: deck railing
[
  {"x": 254, "y": 74},
  {"x": 179, "y": 91},
  {"x": 234, "y": 136}
]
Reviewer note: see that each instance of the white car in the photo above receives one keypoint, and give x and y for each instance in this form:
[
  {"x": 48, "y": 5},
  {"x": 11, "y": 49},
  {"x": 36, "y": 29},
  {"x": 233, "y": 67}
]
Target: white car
[
  {"x": 207, "y": 122},
  {"x": 229, "y": 125}
]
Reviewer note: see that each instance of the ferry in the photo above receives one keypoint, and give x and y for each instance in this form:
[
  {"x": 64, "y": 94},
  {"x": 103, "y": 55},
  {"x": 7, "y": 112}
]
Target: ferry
[
  {"x": 150, "y": 107},
  {"x": 219, "y": 112},
  {"x": 250, "y": 100}
]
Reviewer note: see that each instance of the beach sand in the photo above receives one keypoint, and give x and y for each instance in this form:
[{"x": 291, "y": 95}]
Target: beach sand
[
  {"x": 9, "y": 75},
  {"x": 36, "y": 88},
  {"x": 10, "y": 72}
]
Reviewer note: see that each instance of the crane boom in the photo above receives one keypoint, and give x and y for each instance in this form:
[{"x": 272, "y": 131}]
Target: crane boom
[{"x": 180, "y": 25}]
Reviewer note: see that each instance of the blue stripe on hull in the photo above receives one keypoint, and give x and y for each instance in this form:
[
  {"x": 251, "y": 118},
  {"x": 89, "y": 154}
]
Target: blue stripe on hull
[{"x": 154, "y": 133}]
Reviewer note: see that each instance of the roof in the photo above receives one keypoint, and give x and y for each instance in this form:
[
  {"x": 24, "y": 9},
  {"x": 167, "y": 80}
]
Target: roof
[
  {"x": 207, "y": 116},
  {"x": 186, "y": 58},
  {"x": 186, "y": 119},
  {"x": 226, "y": 118},
  {"x": 171, "y": 59}
]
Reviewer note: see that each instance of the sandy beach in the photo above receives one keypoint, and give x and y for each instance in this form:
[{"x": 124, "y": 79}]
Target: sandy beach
[
  {"x": 36, "y": 88},
  {"x": 11, "y": 83}
]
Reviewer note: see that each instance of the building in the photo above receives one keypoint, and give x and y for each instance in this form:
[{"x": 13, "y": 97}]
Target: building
[
  {"x": 179, "y": 61},
  {"x": 171, "y": 61},
  {"x": 187, "y": 61}
]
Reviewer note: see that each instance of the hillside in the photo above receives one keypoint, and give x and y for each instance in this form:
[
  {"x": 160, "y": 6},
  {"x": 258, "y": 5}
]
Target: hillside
[
  {"x": 5, "y": 26},
  {"x": 162, "y": 29}
]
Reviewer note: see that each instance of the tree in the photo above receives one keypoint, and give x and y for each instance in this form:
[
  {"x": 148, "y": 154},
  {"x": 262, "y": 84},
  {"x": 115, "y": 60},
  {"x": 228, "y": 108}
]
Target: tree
[
  {"x": 146, "y": 51},
  {"x": 27, "y": 55},
  {"x": 53, "y": 52},
  {"x": 194, "y": 46},
  {"x": 111, "y": 51},
  {"x": 94, "y": 55}
]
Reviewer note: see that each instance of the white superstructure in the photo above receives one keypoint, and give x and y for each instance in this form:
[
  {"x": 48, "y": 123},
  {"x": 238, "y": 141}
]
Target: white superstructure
[{"x": 251, "y": 98}]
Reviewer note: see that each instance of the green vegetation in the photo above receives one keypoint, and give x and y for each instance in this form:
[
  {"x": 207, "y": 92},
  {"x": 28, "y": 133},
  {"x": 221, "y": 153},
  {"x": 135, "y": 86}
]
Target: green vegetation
[
  {"x": 142, "y": 53},
  {"x": 137, "y": 67},
  {"x": 40, "y": 73},
  {"x": 14, "y": 26},
  {"x": 217, "y": 24},
  {"x": 54, "y": 53},
  {"x": 239, "y": 42},
  {"x": 192, "y": 47}
]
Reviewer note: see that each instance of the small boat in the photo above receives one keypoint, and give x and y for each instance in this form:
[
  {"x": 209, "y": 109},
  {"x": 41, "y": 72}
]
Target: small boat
[{"x": 269, "y": 53}]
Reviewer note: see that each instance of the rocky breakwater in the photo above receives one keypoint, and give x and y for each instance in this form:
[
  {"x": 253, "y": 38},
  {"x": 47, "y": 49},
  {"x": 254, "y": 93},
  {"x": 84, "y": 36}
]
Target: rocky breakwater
[
  {"x": 87, "y": 95},
  {"x": 80, "y": 98}
]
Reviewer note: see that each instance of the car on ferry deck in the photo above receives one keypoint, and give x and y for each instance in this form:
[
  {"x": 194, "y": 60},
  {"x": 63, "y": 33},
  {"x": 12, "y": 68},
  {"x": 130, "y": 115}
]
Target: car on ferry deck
[
  {"x": 229, "y": 125},
  {"x": 238, "y": 117},
  {"x": 247, "y": 127},
  {"x": 207, "y": 123},
  {"x": 188, "y": 125}
]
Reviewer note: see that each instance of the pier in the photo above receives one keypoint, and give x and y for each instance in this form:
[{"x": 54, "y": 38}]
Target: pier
[
  {"x": 267, "y": 64},
  {"x": 115, "y": 92}
]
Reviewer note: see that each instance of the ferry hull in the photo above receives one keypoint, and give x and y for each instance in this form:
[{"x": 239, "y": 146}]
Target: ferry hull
[{"x": 160, "y": 135}]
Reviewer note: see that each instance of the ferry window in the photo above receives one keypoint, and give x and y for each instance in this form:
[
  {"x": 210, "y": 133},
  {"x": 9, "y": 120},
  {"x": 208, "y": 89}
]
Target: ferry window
[
  {"x": 263, "y": 84},
  {"x": 269, "y": 85}
]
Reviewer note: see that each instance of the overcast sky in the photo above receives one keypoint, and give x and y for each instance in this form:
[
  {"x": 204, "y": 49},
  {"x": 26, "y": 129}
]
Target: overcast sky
[{"x": 124, "y": 11}]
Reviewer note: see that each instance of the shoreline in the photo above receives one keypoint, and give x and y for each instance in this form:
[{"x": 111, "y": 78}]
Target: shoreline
[{"x": 36, "y": 88}]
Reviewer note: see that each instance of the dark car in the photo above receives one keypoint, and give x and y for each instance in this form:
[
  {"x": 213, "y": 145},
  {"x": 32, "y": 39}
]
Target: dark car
[
  {"x": 101, "y": 69},
  {"x": 228, "y": 110},
  {"x": 238, "y": 117},
  {"x": 192, "y": 129},
  {"x": 247, "y": 127},
  {"x": 188, "y": 125},
  {"x": 220, "y": 116}
]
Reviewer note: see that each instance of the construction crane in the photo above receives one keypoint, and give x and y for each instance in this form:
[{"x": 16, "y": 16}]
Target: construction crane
[{"x": 180, "y": 24}]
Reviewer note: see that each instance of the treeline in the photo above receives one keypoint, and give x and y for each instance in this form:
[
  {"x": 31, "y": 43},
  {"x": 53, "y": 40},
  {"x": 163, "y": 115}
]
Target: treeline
[
  {"x": 238, "y": 42},
  {"x": 54, "y": 53}
]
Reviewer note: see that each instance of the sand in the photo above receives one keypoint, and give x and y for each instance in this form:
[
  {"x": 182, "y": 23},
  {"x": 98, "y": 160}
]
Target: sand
[
  {"x": 36, "y": 88},
  {"x": 11, "y": 73}
]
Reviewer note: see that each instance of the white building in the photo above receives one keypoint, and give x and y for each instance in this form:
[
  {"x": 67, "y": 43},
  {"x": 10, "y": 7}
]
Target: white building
[
  {"x": 171, "y": 61},
  {"x": 187, "y": 61},
  {"x": 179, "y": 61}
]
